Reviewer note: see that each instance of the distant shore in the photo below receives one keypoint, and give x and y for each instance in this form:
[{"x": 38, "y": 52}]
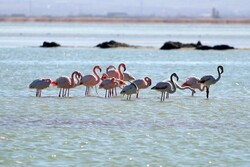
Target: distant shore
[{"x": 127, "y": 20}]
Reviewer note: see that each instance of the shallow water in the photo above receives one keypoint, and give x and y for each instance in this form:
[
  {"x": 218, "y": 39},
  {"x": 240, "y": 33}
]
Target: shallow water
[{"x": 96, "y": 131}]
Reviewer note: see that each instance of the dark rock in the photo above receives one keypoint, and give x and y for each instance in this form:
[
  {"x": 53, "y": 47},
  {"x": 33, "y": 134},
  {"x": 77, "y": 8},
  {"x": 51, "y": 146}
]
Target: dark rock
[
  {"x": 171, "y": 45},
  {"x": 216, "y": 47},
  {"x": 204, "y": 47},
  {"x": 222, "y": 47},
  {"x": 198, "y": 44},
  {"x": 50, "y": 44},
  {"x": 178, "y": 45},
  {"x": 112, "y": 44}
]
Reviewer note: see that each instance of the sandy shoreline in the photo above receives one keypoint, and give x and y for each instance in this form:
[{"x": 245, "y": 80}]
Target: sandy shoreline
[{"x": 127, "y": 20}]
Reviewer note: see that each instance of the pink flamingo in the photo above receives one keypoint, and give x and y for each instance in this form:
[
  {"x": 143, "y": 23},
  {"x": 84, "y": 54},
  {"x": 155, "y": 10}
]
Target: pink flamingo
[
  {"x": 39, "y": 84},
  {"x": 209, "y": 80},
  {"x": 65, "y": 83},
  {"x": 168, "y": 87},
  {"x": 193, "y": 83},
  {"x": 91, "y": 80},
  {"x": 116, "y": 73},
  {"x": 142, "y": 84},
  {"x": 108, "y": 84}
]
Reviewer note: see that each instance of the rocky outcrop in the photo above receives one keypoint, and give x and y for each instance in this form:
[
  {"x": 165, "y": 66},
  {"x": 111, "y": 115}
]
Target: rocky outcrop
[
  {"x": 178, "y": 45},
  {"x": 113, "y": 44},
  {"x": 216, "y": 47},
  {"x": 50, "y": 44},
  {"x": 222, "y": 47}
]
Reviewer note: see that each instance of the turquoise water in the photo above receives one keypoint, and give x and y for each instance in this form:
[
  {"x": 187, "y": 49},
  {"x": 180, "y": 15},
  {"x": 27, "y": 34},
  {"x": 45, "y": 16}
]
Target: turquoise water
[{"x": 95, "y": 131}]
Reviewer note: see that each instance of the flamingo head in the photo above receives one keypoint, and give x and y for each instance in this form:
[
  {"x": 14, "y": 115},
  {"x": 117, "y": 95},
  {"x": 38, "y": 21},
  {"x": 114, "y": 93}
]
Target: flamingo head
[
  {"x": 104, "y": 76},
  {"x": 123, "y": 65},
  {"x": 220, "y": 69},
  {"x": 175, "y": 75},
  {"x": 109, "y": 67},
  {"x": 98, "y": 67}
]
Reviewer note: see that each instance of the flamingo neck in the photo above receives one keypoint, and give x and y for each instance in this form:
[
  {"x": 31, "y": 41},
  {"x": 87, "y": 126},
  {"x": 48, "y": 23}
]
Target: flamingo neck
[
  {"x": 173, "y": 85},
  {"x": 120, "y": 72},
  {"x": 97, "y": 76},
  {"x": 109, "y": 67},
  {"x": 201, "y": 87},
  {"x": 73, "y": 78},
  {"x": 148, "y": 80},
  {"x": 219, "y": 73}
]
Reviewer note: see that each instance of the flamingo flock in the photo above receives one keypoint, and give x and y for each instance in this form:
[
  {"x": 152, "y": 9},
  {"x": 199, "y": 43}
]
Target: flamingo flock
[{"x": 119, "y": 78}]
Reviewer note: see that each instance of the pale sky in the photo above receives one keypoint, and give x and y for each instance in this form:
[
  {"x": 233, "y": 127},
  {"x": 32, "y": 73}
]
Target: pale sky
[{"x": 163, "y": 8}]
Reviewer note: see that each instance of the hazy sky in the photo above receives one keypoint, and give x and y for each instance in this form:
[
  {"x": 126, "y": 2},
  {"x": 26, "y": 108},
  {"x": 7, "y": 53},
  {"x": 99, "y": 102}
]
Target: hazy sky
[{"x": 165, "y": 8}]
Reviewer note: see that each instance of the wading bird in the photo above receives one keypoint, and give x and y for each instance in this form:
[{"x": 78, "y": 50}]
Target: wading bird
[
  {"x": 193, "y": 82},
  {"x": 91, "y": 80},
  {"x": 64, "y": 83},
  {"x": 142, "y": 84},
  {"x": 209, "y": 80},
  {"x": 40, "y": 84},
  {"x": 129, "y": 90},
  {"x": 168, "y": 87}
]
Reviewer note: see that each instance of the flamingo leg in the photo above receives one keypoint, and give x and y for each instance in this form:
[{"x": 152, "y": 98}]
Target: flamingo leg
[
  {"x": 63, "y": 92},
  {"x": 96, "y": 90},
  {"x": 68, "y": 92},
  {"x": 137, "y": 95},
  {"x": 109, "y": 93},
  {"x": 40, "y": 93},
  {"x": 106, "y": 93},
  {"x": 112, "y": 92},
  {"x": 86, "y": 91},
  {"x": 207, "y": 89},
  {"x": 167, "y": 95},
  {"x": 162, "y": 96},
  {"x": 59, "y": 95},
  {"x": 192, "y": 93},
  {"x": 36, "y": 92}
]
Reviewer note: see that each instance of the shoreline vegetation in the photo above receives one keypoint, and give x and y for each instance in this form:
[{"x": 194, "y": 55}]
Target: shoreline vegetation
[{"x": 127, "y": 20}]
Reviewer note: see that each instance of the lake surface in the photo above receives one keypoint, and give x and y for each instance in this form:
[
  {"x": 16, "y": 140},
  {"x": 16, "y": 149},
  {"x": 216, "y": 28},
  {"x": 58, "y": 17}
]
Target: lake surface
[{"x": 97, "y": 131}]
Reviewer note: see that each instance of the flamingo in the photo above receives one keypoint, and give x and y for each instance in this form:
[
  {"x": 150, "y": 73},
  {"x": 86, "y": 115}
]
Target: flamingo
[
  {"x": 108, "y": 84},
  {"x": 39, "y": 84},
  {"x": 142, "y": 84},
  {"x": 111, "y": 71},
  {"x": 165, "y": 86},
  {"x": 65, "y": 83},
  {"x": 91, "y": 80},
  {"x": 209, "y": 80},
  {"x": 128, "y": 76},
  {"x": 193, "y": 83},
  {"x": 116, "y": 73},
  {"x": 129, "y": 90}
]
